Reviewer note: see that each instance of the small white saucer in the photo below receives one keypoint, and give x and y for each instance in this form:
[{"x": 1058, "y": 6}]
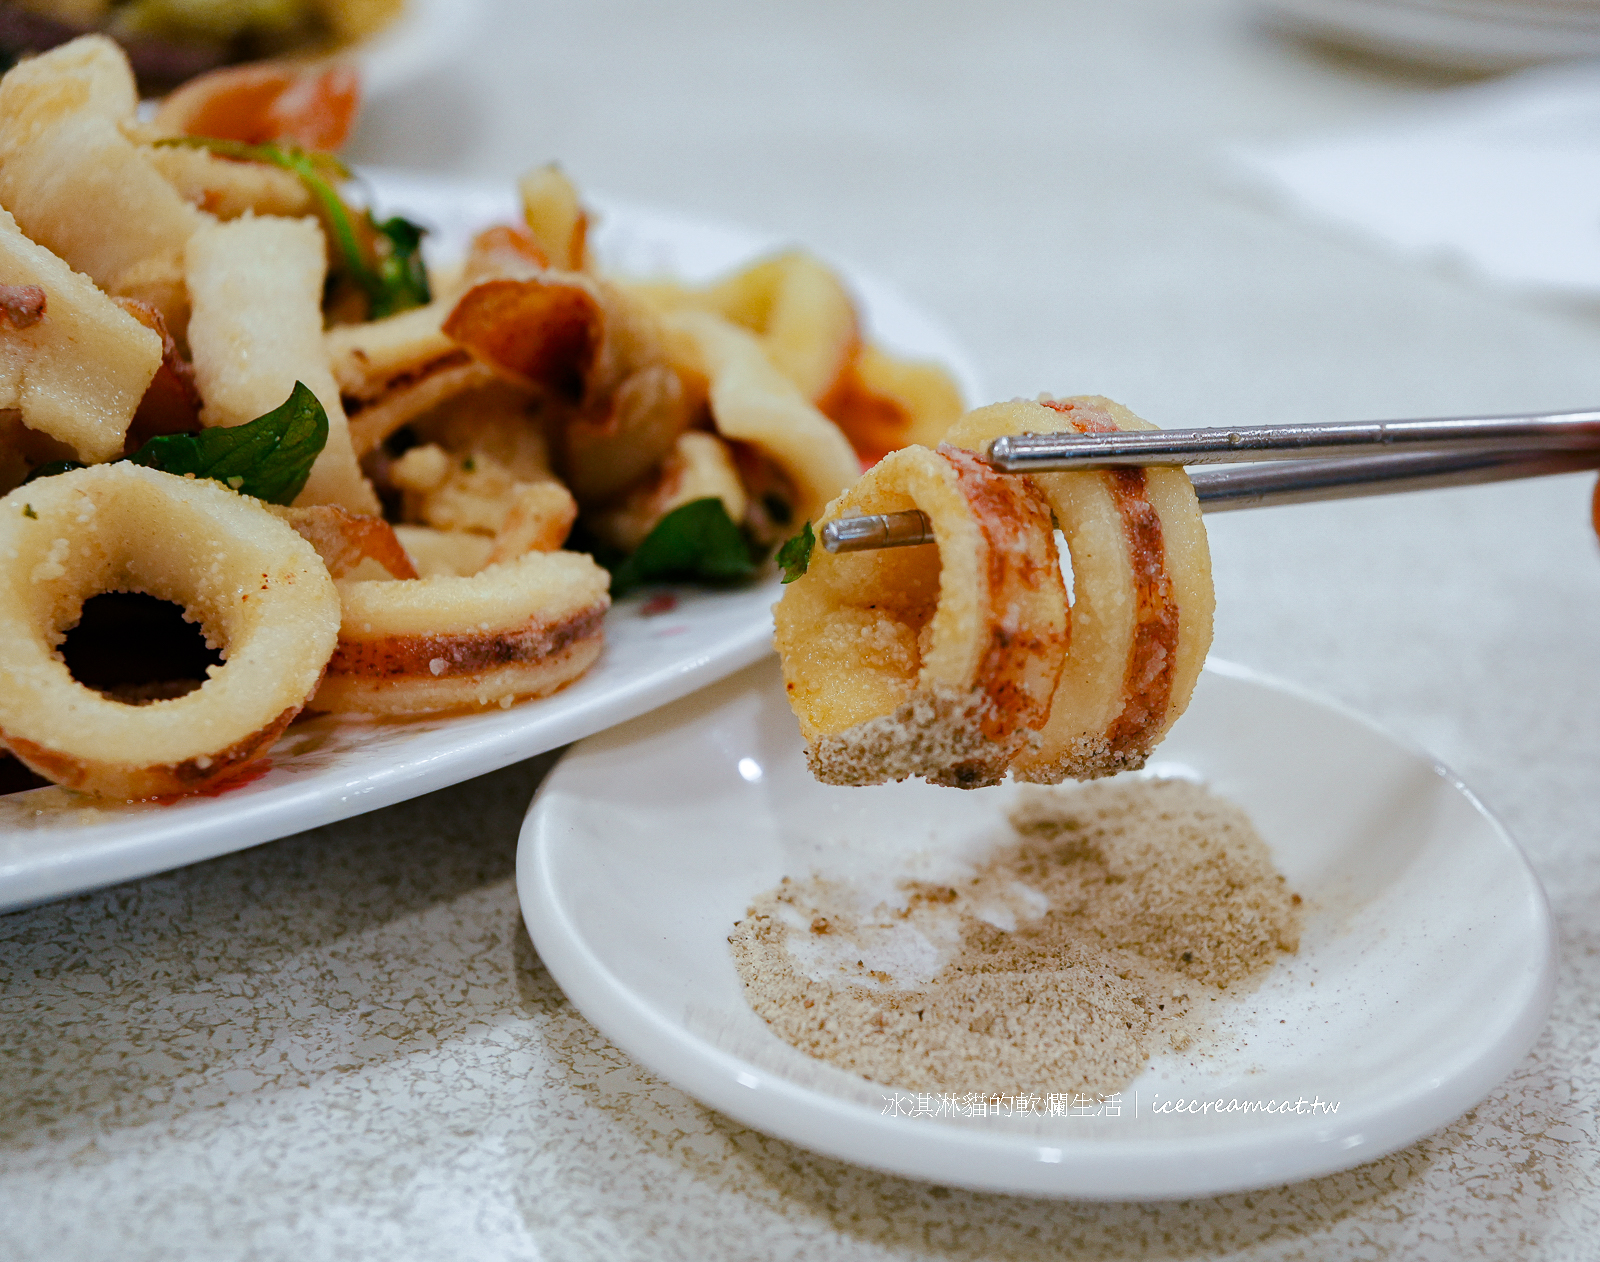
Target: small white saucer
[{"x": 1424, "y": 975}]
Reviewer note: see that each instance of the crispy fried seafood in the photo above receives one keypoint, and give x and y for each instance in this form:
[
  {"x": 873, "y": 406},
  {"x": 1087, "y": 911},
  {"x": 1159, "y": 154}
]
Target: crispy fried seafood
[
  {"x": 1142, "y": 599},
  {"x": 454, "y": 446},
  {"x": 259, "y": 592},
  {"x": 865, "y": 636},
  {"x": 916, "y": 661},
  {"x": 521, "y": 628}
]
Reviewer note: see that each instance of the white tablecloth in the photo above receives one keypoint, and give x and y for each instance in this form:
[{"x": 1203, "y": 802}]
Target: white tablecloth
[{"x": 341, "y": 1045}]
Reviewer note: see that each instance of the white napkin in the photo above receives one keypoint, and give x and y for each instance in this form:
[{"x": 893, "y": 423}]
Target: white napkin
[{"x": 1499, "y": 179}]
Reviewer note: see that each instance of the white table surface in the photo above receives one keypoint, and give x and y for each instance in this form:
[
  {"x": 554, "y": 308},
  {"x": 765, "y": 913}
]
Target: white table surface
[{"x": 341, "y": 1045}]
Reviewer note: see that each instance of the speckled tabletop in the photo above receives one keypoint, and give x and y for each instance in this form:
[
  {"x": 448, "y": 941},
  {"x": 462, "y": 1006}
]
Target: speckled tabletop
[{"x": 342, "y": 1045}]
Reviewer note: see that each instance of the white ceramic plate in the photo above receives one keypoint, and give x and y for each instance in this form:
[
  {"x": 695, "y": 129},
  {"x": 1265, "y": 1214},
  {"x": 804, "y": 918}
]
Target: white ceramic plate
[
  {"x": 54, "y": 843},
  {"x": 1458, "y": 34},
  {"x": 1424, "y": 975}
]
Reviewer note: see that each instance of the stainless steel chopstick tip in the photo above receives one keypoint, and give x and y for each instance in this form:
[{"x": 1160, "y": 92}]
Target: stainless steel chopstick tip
[{"x": 905, "y": 529}]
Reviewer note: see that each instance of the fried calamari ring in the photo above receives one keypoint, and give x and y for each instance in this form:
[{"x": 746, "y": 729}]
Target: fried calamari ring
[
  {"x": 1142, "y": 598},
  {"x": 257, "y": 589},
  {"x": 522, "y": 628},
  {"x": 938, "y": 662}
]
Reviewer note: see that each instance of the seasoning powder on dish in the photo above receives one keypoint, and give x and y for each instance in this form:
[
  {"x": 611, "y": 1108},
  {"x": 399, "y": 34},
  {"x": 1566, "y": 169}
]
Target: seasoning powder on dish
[{"x": 1071, "y": 956}]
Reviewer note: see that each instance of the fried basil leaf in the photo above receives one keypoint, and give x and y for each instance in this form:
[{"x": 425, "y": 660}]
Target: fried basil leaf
[
  {"x": 389, "y": 270},
  {"x": 696, "y": 542},
  {"x": 402, "y": 278},
  {"x": 795, "y": 555},
  {"x": 269, "y": 457}
]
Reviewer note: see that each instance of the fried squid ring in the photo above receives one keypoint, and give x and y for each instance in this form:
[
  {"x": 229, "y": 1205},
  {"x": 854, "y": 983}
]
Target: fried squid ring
[
  {"x": 1142, "y": 598},
  {"x": 519, "y": 629},
  {"x": 257, "y": 589},
  {"x": 938, "y": 662}
]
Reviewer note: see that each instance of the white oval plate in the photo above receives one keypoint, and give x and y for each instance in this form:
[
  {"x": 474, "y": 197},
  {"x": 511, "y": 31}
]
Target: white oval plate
[
  {"x": 1424, "y": 975},
  {"x": 54, "y": 843}
]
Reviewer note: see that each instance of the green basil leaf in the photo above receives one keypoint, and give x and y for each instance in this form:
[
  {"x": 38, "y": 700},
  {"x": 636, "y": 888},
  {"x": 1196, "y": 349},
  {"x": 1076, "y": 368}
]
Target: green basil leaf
[
  {"x": 402, "y": 278},
  {"x": 394, "y": 280},
  {"x": 695, "y": 542},
  {"x": 269, "y": 457},
  {"x": 795, "y": 555}
]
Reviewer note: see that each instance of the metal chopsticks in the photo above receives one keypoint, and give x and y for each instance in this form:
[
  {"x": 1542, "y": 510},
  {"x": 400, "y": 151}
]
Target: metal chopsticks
[
  {"x": 1306, "y": 481},
  {"x": 1393, "y": 456},
  {"x": 1535, "y": 432}
]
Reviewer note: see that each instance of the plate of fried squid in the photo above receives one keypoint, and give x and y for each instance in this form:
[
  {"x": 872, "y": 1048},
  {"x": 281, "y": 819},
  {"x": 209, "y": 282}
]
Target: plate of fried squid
[{"x": 397, "y": 479}]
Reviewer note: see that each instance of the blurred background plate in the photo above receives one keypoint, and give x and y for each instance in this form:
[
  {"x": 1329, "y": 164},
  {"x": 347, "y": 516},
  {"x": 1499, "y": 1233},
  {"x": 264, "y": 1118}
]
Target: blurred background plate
[
  {"x": 1465, "y": 36},
  {"x": 428, "y": 36}
]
